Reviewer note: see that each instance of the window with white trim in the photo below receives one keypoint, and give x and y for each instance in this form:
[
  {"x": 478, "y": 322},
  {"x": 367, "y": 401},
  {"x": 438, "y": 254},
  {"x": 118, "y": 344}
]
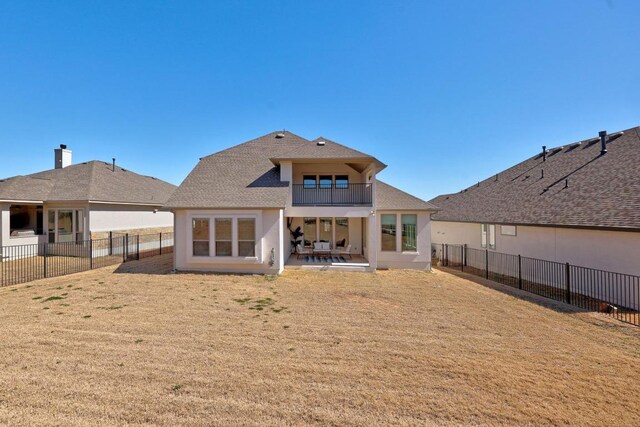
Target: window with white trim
[
  {"x": 200, "y": 233},
  {"x": 246, "y": 237},
  {"x": 388, "y": 229},
  {"x": 223, "y": 236},
  {"x": 483, "y": 239},
  {"x": 488, "y": 234},
  {"x": 409, "y": 232},
  {"x": 492, "y": 236}
]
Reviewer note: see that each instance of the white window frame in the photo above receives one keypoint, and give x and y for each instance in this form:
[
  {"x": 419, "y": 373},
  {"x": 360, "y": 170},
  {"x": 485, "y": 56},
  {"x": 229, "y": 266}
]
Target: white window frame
[
  {"x": 234, "y": 258},
  {"x": 197, "y": 218},
  {"x": 509, "y": 230},
  {"x": 399, "y": 232},
  {"x": 488, "y": 236},
  {"x": 492, "y": 236},
  {"x": 74, "y": 210},
  {"x": 484, "y": 232}
]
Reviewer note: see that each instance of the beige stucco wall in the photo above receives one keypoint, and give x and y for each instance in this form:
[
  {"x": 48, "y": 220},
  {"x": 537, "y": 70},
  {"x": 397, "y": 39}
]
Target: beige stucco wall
[
  {"x": 617, "y": 251},
  {"x": 4, "y": 223},
  {"x": 103, "y": 217},
  {"x": 269, "y": 237},
  {"x": 419, "y": 260}
]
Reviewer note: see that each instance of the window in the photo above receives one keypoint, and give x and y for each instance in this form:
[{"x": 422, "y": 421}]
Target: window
[
  {"x": 200, "y": 228},
  {"x": 342, "y": 181},
  {"x": 223, "y": 236},
  {"x": 483, "y": 241},
  {"x": 309, "y": 231},
  {"x": 51, "y": 227},
  {"x": 326, "y": 231},
  {"x": 342, "y": 232},
  {"x": 325, "y": 181},
  {"x": 490, "y": 230},
  {"x": 246, "y": 237},
  {"x": 65, "y": 226},
  {"x": 79, "y": 226},
  {"x": 492, "y": 236},
  {"x": 508, "y": 230},
  {"x": 409, "y": 230},
  {"x": 309, "y": 181},
  {"x": 388, "y": 226}
]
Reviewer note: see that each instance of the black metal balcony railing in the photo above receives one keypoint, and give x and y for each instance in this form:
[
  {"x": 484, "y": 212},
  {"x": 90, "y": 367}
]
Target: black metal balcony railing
[{"x": 340, "y": 195}]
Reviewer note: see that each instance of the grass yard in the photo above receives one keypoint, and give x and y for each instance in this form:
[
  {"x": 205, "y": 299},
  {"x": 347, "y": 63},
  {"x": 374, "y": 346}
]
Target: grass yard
[{"x": 119, "y": 346}]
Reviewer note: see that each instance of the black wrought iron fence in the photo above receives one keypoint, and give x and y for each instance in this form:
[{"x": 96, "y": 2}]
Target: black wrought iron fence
[
  {"x": 25, "y": 263},
  {"x": 615, "y": 294}
]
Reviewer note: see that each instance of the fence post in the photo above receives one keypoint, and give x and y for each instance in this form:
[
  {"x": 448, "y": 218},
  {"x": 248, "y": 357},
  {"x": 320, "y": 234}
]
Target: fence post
[
  {"x": 464, "y": 259},
  {"x": 125, "y": 248},
  {"x": 90, "y": 254},
  {"x": 519, "y": 272},
  {"x": 46, "y": 249},
  {"x": 138, "y": 247},
  {"x": 160, "y": 239},
  {"x": 442, "y": 255},
  {"x": 462, "y": 255},
  {"x": 446, "y": 255},
  {"x": 568, "y": 282},
  {"x": 110, "y": 243},
  {"x": 486, "y": 263}
]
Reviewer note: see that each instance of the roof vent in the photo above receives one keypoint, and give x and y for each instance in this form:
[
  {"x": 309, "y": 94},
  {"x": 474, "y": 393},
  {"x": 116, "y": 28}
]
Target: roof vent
[
  {"x": 280, "y": 135},
  {"x": 603, "y": 141},
  {"x": 320, "y": 143}
]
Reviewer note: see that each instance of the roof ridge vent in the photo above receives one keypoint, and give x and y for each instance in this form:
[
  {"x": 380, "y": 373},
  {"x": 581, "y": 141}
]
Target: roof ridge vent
[{"x": 320, "y": 142}]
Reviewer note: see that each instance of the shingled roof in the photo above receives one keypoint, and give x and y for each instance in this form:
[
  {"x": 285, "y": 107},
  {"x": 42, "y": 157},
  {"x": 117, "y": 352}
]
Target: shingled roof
[
  {"x": 391, "y": 198},
  {"x": 247, "y": 175},
  {"x": 91, "y": 181},
  {"x": 576, "y": 186}
]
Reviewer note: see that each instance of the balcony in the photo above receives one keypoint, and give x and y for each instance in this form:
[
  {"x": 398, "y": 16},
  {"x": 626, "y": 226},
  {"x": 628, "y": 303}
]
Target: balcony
[{"x": 333, "y": 195}]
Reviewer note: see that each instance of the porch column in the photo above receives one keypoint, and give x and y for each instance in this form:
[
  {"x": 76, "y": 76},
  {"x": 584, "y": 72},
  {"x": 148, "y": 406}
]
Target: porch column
[
  {"x": 5, "y": 230},
  {"x": 372, "y": 240},
  {"x": 280, "y": 256}
]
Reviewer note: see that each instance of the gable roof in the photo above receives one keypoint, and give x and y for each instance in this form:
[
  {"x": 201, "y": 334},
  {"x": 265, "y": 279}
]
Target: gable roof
[
  {"x": 247, "y": 175},
  {"x": 391, "y": 198},
  {"x": 580, "y": 187},
  {"x": 90, "y": 181}
]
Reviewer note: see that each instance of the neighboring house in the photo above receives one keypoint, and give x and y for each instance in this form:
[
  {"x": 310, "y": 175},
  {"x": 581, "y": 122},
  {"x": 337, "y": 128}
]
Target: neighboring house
[
  {"x": 579, "y": 203},
  {"x": 72, "y": 203},
  {"x": 236, "y": 210}
]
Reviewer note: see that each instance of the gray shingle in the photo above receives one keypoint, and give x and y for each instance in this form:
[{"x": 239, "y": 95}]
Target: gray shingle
[
  {"x": 391, "y": 198},
  {"x": 245, "y": 176},
  {"x": 95, "y": 181},
  {"x": 603, "y": 191}
]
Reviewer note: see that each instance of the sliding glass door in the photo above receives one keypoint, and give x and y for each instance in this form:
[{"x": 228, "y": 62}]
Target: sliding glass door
[{"x": 65, "y": 225}]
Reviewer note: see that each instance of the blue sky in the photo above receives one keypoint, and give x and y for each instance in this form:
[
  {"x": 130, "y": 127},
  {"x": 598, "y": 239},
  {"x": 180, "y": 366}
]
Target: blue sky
[{"x": 445, "y": 92}]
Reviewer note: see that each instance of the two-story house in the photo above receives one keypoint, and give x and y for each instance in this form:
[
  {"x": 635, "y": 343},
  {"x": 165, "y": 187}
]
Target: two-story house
[{"x": 238, "y": 210}]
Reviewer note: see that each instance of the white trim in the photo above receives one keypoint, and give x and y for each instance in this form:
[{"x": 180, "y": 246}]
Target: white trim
[
  {"x": 234, "y": 258},
  {"x": 120, "y": 203},
  {"x": 398, "y": 215}
]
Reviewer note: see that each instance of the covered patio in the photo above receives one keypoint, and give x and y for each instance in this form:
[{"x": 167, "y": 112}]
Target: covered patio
[{"x": 324, "y": 262}]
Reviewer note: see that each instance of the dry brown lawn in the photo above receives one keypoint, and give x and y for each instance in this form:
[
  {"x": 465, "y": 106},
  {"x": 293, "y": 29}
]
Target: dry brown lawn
[{"x": 117, "y": 346}]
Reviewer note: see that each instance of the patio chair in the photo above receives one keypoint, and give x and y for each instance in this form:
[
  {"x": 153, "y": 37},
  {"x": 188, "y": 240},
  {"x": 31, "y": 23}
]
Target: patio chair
[
  {"x": 300, "y": 251},
  {"x": 346, "y": 251}
]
